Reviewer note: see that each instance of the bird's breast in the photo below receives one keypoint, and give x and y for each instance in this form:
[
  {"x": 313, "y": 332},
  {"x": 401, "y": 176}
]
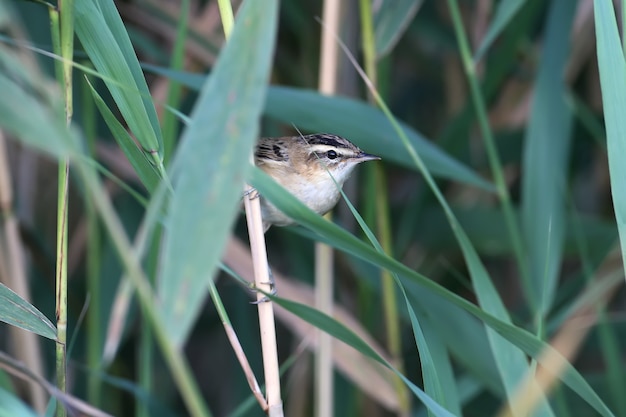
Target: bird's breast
[{"x": 320, "y": 196}]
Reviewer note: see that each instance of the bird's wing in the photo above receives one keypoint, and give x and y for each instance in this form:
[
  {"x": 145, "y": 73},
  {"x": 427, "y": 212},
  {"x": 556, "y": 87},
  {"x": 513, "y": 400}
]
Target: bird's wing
[{"x": 270, "y": 152}]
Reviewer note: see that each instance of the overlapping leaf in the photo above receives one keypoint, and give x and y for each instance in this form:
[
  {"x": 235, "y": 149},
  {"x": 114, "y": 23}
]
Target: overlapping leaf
[{"x": 211, "y": 165}]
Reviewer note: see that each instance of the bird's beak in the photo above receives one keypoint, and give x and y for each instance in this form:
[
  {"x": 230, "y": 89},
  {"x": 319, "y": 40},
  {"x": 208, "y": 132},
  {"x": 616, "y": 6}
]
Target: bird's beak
[{"x": 362, "y": 157}]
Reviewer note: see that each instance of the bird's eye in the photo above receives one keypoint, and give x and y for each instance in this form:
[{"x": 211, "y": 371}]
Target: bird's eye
[{"x": 331, "y": 154}]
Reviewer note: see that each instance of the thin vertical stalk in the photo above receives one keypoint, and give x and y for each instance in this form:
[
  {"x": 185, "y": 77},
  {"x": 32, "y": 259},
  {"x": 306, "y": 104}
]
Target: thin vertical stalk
[
  {"x": 512, "y": 225},
  {"x": 61, "y": 281},
  {"x": 324, "y": 282},
  {"x": 324, "y": 277},
  {"x": 228, "y": 19},
  {"x": 66, "y": 10},
  {"x": 62, "y": 23},
  {"x": 266, "y": 311},
  {"x": 390, "y": 302},
  {"x": 262, "y": 277},
  {"x": 389, "y": 298},
  {"x": 368, "y": 42}
]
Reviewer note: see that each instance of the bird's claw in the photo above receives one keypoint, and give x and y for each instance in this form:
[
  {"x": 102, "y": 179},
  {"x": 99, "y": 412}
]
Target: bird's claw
[
  {"x": 265, "y": 299},
  {"x": 251, "y": 193},
  {"x": 272, "y": 290}
]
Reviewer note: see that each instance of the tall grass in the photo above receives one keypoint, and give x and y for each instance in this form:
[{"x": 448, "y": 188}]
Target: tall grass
[{"x": 501, "y": 242}]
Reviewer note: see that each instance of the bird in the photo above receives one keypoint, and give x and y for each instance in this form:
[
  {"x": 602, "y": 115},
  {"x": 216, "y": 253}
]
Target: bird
[{"x": 311, "y": 167}]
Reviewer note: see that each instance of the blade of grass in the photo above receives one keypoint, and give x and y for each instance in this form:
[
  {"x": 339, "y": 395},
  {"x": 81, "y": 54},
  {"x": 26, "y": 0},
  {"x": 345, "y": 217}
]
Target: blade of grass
[
  {"x": 612, "y": 73},
  {"x": 105, "y": 40},
  {"x": 613, "y": 84},
  {"x": 211, "y": 164},
  {"x": 442, "y": 365},
  {"x": 16, "y": 311},
  {"x": 545, "y": 164},
  {"x": 507, "y": 9},
  {"x": 588, "y": 118},
  {"x": 612, "y": 348},
  {"x": 147, "y": 172},
  {"x": 451, "y": 324},
  {"x": 430, "y": 372},
  {"x": 390, "y": 21}
]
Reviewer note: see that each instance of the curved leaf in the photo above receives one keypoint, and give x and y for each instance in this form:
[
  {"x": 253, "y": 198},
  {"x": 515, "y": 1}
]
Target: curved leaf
[
  {"x": 506, "y": 11},
  {"x": 147, "y": 172},
  {"x": 18, "y": 312},
  {"x": 104, "y": 38},
  {"x": 390, "y": 22},
  {"x": 546, "y": 161}
]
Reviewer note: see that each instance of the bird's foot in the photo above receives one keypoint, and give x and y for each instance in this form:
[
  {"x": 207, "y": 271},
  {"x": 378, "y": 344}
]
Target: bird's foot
[
  {"x": 272, "y": 290},
  {"x": 251, "y": 193}
]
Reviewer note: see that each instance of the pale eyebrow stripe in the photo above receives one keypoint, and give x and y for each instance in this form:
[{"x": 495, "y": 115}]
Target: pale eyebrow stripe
[{"x": 326, "y": 148}]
